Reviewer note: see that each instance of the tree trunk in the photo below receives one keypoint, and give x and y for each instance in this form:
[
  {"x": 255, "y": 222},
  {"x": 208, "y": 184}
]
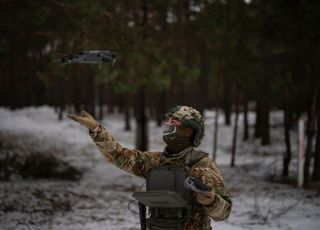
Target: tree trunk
[
  {"x": 258, "y": 122},
  {"x": 310, "y": 135},
  {"x": 60, "y": 96},
  {"x": 90, "y": 93},
  {"x": 265, "y": 134},
  {"x": 203, "y": 79},
  {"x": 76, "y": 93},
  {"x": 127, "y": 106},
  {"x": 287, "y": 157},
  {"x": 141, "y": 135},
  {"x": 4, "y": 86},
  {"x": 235, "y": 131},
  {"x": 215, "y": 134},
  {"x": 60, "y": 114},
  {"x": 101, "y": 100},
  {"x": 265, "y": 127},
  {"x": 316, "y": 166},
  {"x": 245, "y": 121},
  {"x": 227, "y": 101},
  {"x": 127, "y": 118}
]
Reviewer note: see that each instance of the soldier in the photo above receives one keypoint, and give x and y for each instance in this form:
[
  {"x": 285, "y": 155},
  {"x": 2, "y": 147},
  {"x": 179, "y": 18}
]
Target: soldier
[{"x": 183, "y": 131}]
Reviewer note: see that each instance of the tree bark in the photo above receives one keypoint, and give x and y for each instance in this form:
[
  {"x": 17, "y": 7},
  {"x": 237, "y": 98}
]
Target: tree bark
[
  {"x": 127, "y": 118},
  {"x": 204, "y": 69},
  {"x": 258, "y": 122},
  {"x": 76, "y": 93},
  {"x": 227, "y": 101},
  {"x": 141, "y": 135},
  {"x": 316, "y": 166},
  {"x": 101, "y": 100},
  {"x": 127, "y": 115},
  {"x": 235, "y": 131},
  {"x": 91, "y": 95},
  {"x": 287, "y": 156},
  {"x": 60, "y": 90},
  {"x": 215, "y": 134},
  {"x": 60, "y": 114},
  {"x": 265, "y": 126},
  {"x": 245, "y": 121},
  {"x": 310, "y": 135}
]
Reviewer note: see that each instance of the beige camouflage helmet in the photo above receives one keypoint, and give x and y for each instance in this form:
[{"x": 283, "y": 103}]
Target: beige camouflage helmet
[{"x": 189, "y": 116}]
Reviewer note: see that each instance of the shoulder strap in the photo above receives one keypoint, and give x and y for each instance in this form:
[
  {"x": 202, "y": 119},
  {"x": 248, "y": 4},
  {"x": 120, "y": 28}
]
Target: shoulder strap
[{"x": 196, "y": 156}]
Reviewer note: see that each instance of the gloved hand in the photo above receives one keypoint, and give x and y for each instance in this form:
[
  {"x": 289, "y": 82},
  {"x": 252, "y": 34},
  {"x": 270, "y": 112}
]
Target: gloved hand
[
  {"x": 206, "y": 198},
  {"x": 85, "y": 119}
]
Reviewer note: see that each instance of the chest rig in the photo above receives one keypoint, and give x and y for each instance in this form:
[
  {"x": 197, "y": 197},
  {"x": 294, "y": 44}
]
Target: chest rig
[{"x": 169, "y": 176}]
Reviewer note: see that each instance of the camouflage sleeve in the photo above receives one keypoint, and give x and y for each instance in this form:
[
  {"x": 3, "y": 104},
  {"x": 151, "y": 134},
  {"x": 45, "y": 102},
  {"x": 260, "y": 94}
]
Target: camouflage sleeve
[
  {"x": 132, "y": 161},
  {"x": 208, "y": 172}
]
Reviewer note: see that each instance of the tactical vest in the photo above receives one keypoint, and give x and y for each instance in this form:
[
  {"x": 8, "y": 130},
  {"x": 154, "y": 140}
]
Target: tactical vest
[{"x": 171, "y": 178}]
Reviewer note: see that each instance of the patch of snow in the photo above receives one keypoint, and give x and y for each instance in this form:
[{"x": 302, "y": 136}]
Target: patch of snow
[{"x": 100, "y": 199}]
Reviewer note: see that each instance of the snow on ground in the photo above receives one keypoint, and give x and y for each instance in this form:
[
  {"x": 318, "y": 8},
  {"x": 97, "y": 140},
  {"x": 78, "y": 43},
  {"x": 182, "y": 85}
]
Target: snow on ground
[{"x": 100, "y": 199}]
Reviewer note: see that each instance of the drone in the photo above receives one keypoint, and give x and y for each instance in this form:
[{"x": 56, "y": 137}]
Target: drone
[{"x": 90, "y": 57}]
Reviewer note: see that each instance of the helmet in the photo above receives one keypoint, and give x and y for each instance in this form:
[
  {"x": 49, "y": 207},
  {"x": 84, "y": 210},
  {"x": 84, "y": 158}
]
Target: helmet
[{"x": 189, "y": 116}]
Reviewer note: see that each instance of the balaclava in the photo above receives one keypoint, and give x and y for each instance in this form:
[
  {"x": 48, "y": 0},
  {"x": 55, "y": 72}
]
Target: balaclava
[
  {"x": 189, "y": 133},
  {"x": 178, "y": 138}
]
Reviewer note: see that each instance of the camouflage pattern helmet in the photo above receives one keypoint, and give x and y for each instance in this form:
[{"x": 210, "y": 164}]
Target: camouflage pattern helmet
[{"x": 189, "y": 116}]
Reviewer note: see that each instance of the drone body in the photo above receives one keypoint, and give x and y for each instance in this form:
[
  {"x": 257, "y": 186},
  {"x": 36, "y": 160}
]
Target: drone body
[{"x": 90, "y": 57}]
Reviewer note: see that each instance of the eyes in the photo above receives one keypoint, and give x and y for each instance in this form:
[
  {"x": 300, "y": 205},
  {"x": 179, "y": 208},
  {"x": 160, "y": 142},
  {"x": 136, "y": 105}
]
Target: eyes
[{"x": 172, "y": 121}]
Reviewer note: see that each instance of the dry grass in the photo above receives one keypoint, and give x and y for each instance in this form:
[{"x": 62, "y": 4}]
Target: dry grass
[{"x": 26, "y": 160}]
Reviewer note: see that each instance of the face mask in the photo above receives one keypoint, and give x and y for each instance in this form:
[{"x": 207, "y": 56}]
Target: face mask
[
  {"x": 176, "y": 138},
  {"x": 168, "y": 130}
]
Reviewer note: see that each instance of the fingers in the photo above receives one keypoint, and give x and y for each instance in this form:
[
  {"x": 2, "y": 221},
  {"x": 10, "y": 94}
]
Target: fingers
[
  {"x": 76, "y": 118},
  {"x": 204, "y": 199},
  {"x": 205, "y": 194},
  {"x": 85, "y": 114},
  {"x": 84, "y": 119},
  {"x": 73, "y": 117},
  {"x": 202, "y": 195}
]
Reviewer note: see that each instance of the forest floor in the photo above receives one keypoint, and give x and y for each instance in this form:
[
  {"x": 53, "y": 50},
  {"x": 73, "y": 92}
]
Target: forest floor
[{"x": 83, "y": 191}]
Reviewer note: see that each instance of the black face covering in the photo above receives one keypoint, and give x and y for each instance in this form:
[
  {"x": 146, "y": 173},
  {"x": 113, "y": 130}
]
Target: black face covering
[{"x": 177, "y": 138}]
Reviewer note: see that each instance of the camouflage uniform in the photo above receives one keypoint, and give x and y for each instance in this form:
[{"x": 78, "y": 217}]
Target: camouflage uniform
[{"x": 139, "y": 163}]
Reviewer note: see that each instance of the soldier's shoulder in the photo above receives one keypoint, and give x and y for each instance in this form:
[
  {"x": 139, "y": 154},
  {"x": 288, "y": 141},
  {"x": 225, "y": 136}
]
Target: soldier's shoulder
[
  {"x": 200, "y": 151},
  {"x": 203, "y": 158},
  {"x": 197, "y": 156},
  {"x": 200, "y": 154}
]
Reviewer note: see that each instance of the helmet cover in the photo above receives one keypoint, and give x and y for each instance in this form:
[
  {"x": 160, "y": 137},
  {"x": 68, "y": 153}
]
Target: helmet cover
[{"x": 190, "y": 117}]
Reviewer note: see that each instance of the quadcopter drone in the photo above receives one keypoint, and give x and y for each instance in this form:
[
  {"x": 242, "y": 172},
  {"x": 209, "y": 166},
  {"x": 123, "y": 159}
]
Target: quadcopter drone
[{"x": 90, "y": 57}]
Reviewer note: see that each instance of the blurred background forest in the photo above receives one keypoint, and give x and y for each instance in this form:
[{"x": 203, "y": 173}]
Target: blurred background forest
[{"x": 228, "y": 55}]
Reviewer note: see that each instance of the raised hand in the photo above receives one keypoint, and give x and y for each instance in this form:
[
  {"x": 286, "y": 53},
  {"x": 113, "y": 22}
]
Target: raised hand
[{"x": 85, "y": 119}]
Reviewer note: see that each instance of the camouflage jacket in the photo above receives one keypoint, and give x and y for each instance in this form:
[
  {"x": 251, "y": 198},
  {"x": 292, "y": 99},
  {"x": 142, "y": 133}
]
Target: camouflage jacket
[{"x": 138, "y": 163}]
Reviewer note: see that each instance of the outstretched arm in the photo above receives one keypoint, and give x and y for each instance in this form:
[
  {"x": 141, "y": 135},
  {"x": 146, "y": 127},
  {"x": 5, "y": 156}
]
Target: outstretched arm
[{"x": 132, "y": 161}]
